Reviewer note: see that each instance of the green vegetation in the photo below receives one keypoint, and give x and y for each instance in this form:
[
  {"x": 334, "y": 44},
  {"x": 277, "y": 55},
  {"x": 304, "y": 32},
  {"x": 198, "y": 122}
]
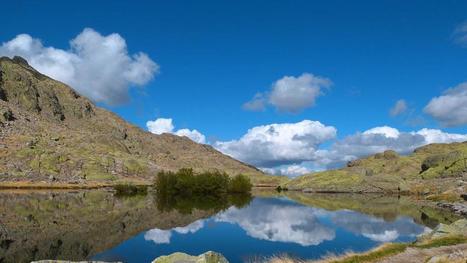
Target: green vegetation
[
  {"x": 384, "y": 251},
  {"x": 130, "y": 189},
  {"x": 185, "y": 182},
  {"x": 240, "y": 184},
  {"x": 430, "y": 170},
  {"x": 440, "y": 242},
  {"x": 186, "y": 190}
]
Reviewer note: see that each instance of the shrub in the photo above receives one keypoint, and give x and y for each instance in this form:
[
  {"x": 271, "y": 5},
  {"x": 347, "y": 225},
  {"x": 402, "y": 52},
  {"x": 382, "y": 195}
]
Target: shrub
[
  {"x": 240, "y": 184},
  {"x": 186, "y": 182}
]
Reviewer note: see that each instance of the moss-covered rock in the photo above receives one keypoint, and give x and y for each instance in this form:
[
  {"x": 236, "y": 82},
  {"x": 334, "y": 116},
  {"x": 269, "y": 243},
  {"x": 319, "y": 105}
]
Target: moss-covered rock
[{"x": 208, "y": 257}]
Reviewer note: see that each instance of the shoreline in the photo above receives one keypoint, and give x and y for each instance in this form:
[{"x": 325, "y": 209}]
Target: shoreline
[{"x": 29, "y": 185}]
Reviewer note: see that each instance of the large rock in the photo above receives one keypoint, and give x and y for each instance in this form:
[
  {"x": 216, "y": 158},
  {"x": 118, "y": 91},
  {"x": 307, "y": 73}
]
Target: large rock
[
  {"x": 457, "y": 228},
  {"x": 208, "y": 257}
]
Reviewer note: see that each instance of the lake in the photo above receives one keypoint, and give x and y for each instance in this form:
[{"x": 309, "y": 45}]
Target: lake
[{"x": 96, "y": 224}]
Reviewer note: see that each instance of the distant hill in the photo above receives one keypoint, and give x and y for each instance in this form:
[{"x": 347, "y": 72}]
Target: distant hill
[
  {"x": 51, "y": 134},
  {"x": 431, "y": 169}
]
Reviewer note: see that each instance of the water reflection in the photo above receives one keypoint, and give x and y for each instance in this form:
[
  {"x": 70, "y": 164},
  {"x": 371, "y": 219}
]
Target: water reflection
[
  {"x": 377, "y": 229},
  {"x": 160, "y": 236},
  {"x": 276, "y": 220},
  {"x": 95, "y": 224}
]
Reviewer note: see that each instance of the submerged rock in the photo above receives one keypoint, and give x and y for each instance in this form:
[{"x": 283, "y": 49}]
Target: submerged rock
[{"x": 208, "y": 257}]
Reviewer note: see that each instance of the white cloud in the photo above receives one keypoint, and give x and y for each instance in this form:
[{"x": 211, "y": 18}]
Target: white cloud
[
  {"x": 194, "y": 135},
  {"x": 160, "y": 125},
  {"x": 460, "y": 34},
  {"x": 383, "y": 138},
  {"x": 279, "y": 222},
  {"x": 160, "y": 236},
  {"x": 163, "y": 125},
  {"x": 398, "y": 108},
  {"x": 279, "y": 144},
  {"x": 293, "y": 170},
  {"x": 97, "y": 66},
  {"x": 450, "y": 109},
  {"x": 384, "y": 130},
  {"x": 290, "y": 94}
]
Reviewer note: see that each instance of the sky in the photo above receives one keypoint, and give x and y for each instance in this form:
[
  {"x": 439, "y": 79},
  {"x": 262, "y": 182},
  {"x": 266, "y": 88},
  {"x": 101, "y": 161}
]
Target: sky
[{"x": 288, "y": 86}]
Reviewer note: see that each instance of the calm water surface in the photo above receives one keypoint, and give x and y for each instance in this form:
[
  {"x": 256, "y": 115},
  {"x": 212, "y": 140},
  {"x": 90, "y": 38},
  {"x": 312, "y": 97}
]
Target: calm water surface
[{"x": 97, "y": 225}]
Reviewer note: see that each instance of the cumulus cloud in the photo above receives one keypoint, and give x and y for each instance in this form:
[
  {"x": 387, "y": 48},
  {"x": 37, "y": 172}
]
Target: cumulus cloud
[
  {"x": 97, "y": 66},
  {"x": 279, "y": 222},
  {"x": 279, "y": 144},
  {"x": 160, "y": 126},
  {"x": 160, "y": 236},
  {"x": 293, "y": 170},
  {"x": 383, "y": 138},
  {"x": 450, "y": 109},
  {"x": 398, "y": 108},
  {"x": 294, "y": 149},
  {"x": 163, "y": 125},
  {"x": 290, "y": 94}
]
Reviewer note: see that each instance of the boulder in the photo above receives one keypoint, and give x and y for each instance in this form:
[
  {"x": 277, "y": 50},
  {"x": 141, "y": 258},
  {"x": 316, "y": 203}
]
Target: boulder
[
  {"x": 178, "y": 257},
  {"x": 387, "y": 155},
  {"x": 457, "y": 228}
]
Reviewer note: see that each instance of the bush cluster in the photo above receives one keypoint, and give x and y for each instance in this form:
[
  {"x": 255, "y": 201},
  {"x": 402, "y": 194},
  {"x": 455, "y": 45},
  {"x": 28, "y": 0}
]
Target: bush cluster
[{"x": 186, "y": 182}]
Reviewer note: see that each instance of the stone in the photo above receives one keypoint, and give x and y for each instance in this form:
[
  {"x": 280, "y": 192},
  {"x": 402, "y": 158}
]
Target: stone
[
  {"x": 178, "y": 257},
  {"x": 455, "y": 257},
  {"x": 457, "y": 228},
  {"x": 7, "y": 115}
]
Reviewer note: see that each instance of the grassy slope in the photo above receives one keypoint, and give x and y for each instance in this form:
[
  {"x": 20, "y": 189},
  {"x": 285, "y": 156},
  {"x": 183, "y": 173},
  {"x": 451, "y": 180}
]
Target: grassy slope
[
  {"x": 58, "y": 136},
  {"x": 434, "y": 169}
]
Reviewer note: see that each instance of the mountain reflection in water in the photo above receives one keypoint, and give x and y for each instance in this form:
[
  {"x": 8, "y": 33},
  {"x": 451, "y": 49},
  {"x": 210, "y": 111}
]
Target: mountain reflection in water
[{"x": 97, "y": 225}]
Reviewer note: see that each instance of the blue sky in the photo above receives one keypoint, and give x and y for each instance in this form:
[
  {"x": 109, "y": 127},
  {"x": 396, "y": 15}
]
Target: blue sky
[{"x": 214, "y": 56}]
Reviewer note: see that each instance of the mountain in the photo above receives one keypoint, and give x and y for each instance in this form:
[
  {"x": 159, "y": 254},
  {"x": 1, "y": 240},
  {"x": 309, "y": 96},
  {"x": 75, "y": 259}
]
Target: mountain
[
  {"x": 436, "y": 169},
  {"x": 51, "y": 134}
]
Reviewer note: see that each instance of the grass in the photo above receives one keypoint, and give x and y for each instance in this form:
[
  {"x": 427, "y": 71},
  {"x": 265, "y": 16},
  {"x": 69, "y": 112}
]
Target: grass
[
  {"x": 383, "y": 251},
  {"x": 380, "y": 252}
]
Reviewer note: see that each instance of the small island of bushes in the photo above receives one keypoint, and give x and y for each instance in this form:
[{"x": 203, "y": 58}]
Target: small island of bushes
[{"x": 185, "y": 182}]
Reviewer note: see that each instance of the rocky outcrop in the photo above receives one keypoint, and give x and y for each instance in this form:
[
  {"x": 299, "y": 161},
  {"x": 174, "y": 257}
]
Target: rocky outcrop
[
  {"x": 208, "y": 257},
  {"x": 458, "y": 208},
  {"x": 458, "y": 228},
  {"x": 430, "y": 170}
]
